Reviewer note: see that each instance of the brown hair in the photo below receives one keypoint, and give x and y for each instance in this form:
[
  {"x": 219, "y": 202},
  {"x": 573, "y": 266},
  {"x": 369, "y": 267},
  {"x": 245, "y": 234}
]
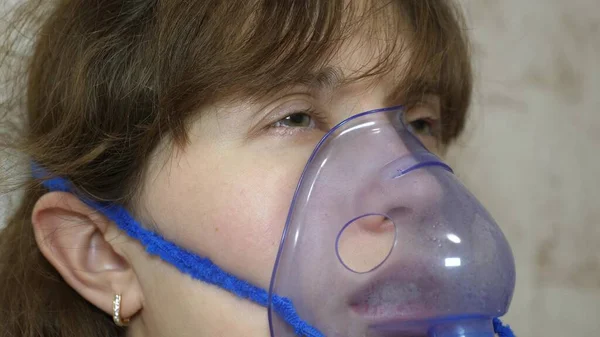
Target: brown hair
[{"x": 109, "y": 79}]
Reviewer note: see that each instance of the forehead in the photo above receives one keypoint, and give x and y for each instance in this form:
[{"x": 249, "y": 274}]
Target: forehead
[
  {"x": 370, "y": 42},
  {"x": 419, "y": 43}
]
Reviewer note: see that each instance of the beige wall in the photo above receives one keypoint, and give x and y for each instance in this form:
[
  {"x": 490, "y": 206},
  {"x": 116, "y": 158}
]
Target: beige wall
[{"x": 532, "y": 154}]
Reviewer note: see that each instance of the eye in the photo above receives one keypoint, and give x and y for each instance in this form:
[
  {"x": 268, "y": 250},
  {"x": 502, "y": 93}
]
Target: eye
[
  {"x": 296, "y": 120},
  {"x": 428, "y": 132},
  {"x": 423, "y": 126}
]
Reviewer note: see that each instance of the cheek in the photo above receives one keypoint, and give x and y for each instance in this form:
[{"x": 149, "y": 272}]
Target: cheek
[
  {"x": 248, "y": 223},
  {"x": 235, "y": 219},
  {"x": 177, "y": 305}
]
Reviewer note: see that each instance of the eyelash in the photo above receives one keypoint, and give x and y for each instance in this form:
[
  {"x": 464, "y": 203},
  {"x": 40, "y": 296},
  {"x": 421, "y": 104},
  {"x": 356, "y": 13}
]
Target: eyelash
[
  {"x": 319, "y": 119},
  {"x": 320, "y": 122},
  {"x": 432, "y": 124}
]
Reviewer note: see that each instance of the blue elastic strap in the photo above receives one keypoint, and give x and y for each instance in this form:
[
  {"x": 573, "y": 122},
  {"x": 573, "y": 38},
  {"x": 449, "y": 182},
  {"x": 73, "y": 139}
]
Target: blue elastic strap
[
  {"x": 188, "y": 263},
  {"x": 200, "y": 268},
  {"x": 502, "y": 330}
]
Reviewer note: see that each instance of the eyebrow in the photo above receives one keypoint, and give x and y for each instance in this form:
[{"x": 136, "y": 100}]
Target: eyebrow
[
  {"x": 331, "y": 77},
  {"x": 328, "y": 77}
]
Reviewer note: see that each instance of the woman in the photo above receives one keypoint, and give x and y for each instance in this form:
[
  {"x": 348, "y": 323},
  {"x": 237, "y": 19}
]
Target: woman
[{"x": 198, "y": 117}]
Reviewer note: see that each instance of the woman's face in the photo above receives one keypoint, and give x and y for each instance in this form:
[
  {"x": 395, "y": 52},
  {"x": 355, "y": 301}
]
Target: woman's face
[{"x": 226, "y": 195}]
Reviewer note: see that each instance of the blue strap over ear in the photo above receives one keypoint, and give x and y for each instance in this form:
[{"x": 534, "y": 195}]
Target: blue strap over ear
[{"x": 199, "y": 268}]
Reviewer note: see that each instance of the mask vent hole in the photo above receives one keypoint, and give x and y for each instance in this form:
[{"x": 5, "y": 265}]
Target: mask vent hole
[{"x": 365, "y": 242}]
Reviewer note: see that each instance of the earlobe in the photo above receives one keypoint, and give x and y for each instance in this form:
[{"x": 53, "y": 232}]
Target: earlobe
[{"x": 80, "y": 243}]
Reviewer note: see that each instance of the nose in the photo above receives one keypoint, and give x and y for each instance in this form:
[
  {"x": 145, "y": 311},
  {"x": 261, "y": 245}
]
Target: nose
[
  {"x": 396, "y": 201},
  {"x": 375, "y": 223},
  {"x": 406, "y": 190},
  {"x": 394, "y": 204}
]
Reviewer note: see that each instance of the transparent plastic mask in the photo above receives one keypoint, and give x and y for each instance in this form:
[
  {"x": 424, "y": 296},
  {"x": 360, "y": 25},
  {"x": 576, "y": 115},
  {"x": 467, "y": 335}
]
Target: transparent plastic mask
[{"x": 383, "y": 240}]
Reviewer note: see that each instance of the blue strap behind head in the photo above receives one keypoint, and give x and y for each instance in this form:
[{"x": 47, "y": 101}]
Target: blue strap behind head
[{"x": 200, "y": 268}]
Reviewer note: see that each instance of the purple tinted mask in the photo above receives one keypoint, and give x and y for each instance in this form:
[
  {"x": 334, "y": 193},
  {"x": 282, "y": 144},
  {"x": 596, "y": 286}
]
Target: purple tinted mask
[{"x": 383, "y": 240}]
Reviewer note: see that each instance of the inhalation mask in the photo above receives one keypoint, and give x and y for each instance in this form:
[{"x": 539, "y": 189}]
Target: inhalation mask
[{"x": 381, "y": 240}]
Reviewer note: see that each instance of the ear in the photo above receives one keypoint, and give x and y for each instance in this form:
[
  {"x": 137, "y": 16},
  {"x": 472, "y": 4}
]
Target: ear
[{"x": 87, "y": 250}]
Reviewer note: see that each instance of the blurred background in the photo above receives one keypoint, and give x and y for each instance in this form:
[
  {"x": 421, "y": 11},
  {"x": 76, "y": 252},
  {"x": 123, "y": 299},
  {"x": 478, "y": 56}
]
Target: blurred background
[{"x": 531, "y": 153}]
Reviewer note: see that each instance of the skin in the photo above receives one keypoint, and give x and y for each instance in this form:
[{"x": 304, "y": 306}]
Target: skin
[{"x": 225, "y": 196}]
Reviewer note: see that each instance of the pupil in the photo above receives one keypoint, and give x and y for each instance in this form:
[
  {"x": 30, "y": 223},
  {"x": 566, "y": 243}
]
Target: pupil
[
  {"x": 420, "y": 125},
  {"x": 298, "y": 119}
]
